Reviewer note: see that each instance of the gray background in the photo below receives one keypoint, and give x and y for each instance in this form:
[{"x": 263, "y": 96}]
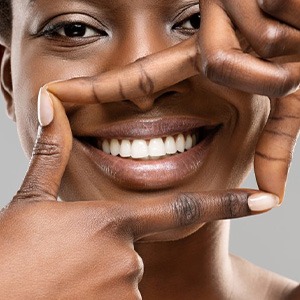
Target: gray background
[{"x": 271, "y": 240}]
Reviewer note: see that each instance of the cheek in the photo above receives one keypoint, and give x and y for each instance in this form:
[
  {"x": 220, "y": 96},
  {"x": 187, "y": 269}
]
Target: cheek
[
  {"x": 233, "y": 155},
  {"x": 252, "y": 116},
  {"x": 30, "y": 71}
]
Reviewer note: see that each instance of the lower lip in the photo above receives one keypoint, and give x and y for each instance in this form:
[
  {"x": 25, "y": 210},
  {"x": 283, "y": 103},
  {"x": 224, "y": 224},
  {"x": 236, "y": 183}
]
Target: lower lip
[{"x": 151, "y": 174}]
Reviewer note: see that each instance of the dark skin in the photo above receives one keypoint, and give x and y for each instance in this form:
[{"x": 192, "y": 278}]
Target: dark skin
[{"x": 90, "y": 246}]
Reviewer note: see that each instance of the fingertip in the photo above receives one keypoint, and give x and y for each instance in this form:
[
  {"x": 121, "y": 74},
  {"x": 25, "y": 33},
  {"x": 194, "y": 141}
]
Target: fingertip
[
  {"x": 261, "y": 201},
  {"x": 52, "y": 117},
  {"x": 45, "y": 108}
]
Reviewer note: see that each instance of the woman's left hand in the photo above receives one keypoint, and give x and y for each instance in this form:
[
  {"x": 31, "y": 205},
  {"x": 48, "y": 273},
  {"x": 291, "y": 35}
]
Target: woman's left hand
[
  {"x": 275, "y": 147},
  {"x": 216, "y": 52}
]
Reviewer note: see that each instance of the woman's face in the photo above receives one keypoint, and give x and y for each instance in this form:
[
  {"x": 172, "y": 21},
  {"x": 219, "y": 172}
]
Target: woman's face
[{"x": 226, "y": 123}]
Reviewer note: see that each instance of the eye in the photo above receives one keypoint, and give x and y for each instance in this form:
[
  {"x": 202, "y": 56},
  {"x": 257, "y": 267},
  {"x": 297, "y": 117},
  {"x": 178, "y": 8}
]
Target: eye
[
  {"x": 191, "y": 23},
  {"x": 72, "y": 30},
  {"x": 76, "y": 30}
]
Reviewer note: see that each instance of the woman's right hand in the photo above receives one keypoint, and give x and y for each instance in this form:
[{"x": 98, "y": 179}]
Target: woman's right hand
[
  {"x": 85, "y": 250},
  {"x": 251, "y": 46}
]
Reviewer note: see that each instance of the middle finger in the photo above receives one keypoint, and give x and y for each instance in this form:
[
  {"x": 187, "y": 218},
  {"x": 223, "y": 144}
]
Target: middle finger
[{"x": 268, "y": 37}]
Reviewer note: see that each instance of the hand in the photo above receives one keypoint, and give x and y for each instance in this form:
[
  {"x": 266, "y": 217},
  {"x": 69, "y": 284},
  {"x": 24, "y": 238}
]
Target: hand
[
  {"x": 271, "y": 28},
  {"x": 52, "y": 249}
]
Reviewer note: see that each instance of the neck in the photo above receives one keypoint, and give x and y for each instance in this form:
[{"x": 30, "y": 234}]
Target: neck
[{"x": 195, "y": 267}]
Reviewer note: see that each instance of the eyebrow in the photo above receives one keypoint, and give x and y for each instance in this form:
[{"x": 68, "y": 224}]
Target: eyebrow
[{"x": 32, "y": 2}]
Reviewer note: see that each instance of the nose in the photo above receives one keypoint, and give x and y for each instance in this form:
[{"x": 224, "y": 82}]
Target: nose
[
  {"x": 146, "y": 103},
  {"x": 139, "y": 36}
]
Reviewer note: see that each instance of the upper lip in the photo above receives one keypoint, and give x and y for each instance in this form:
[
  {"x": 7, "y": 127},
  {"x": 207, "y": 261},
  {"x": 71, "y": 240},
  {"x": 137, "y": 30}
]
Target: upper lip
[{"x": 149, "y": 128}]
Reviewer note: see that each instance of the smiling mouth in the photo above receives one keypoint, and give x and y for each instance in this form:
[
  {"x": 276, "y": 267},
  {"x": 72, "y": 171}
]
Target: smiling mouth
[
  {"x": 150, "y": 154},
  {"x": 152, "y": 148}
]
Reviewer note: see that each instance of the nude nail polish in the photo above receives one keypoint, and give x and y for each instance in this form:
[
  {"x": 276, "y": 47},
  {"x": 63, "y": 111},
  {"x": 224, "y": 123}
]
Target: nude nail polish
[
  {"x": 45, "y": 108},
  {"x": 262, "y": 201}
]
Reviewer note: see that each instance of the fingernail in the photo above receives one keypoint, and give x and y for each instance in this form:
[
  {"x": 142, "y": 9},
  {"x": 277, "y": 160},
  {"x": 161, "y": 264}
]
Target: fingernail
[
  {"x": 262, "y": 201},
  {"x": 45, "y": 108}
]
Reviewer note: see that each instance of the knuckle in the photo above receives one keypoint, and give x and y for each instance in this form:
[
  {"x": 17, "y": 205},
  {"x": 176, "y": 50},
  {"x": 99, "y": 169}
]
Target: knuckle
[
  {"x": 235, "y": 204},
  {"x": 131, "y": 292},
  {"x": 271, "y": 42},
  {"x": 25, "y": 213},
  {"x": 107, "y": 220},
  {"x": 195, "y": 58},
  {"x": 27, "y": 194},
  {"x": 186, "y": 209},
  {"x": 32, "y": 191},
  {"x": 46, "y": 148},
  {"x": 287, "y": 82},
  {"x": 272, "y": 6},
  {"x": 133, "y": 267},
  {"x": 218, "y": 66},
  {"x": 101, "y": 223},
  {"x": 146, "y": 84}
]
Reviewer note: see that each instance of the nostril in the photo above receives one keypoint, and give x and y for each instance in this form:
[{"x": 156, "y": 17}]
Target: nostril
[
  {"x": 167, "y": 94},
  {"x": 148, "y": 102},
  {"x": 170, "y": 93}
]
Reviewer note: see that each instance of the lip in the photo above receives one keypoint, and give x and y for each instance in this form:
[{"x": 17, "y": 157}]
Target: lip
[
  {"x": 151, "y": 174},
  {"x": 150, "y": 128}
]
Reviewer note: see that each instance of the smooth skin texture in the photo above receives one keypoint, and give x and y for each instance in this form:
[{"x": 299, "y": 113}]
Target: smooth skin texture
[
  {"x": 220, "y": 58},
  {"x": 84, "y": 239},
  {"x": 91, "y": 249}
]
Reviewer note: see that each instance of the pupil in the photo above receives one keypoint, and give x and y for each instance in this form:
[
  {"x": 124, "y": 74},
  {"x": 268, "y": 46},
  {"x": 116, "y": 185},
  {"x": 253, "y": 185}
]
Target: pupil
[
  {"x": 72, "y": 30},
  {"x": 195, "y": 21}
]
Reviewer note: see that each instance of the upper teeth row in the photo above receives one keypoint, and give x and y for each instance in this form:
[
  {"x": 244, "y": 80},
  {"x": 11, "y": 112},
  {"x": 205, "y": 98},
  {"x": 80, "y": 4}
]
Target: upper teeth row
[{"x": 156, "y": 147}]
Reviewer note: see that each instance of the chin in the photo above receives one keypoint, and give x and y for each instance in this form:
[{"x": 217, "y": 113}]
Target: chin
[{"x": 172, "y": 235}]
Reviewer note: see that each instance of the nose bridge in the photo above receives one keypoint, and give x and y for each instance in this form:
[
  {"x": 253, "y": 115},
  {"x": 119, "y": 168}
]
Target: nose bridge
[{"x": 144, "y": 34}]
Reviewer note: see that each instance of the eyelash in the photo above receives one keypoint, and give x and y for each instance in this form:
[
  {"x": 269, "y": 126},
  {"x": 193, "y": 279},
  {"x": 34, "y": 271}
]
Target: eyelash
[
  {"x": 194, "y": 18},
  {"x": 52, "y": 31}
]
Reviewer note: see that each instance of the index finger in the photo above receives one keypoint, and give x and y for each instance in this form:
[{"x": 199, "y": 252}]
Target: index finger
[{"x": 176, "y": 212}]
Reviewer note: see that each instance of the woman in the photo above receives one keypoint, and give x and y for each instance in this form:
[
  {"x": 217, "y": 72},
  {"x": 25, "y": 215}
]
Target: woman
[{"x": 145, "y": 156}]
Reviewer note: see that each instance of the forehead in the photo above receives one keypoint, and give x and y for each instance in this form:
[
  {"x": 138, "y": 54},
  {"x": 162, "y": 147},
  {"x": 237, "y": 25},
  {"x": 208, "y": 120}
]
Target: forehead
[
  {"x": 28, "y": 11},
  {"x": 29, "y": 8},
  {"x": 109, "y": 3}
]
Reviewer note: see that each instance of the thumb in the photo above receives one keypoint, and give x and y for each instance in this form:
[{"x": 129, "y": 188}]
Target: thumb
[
  {"x": 50, "y": 153},
  {"x": 276, "y": 145}
]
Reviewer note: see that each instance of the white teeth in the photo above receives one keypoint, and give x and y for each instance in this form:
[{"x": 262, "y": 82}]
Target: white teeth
[
  {"x": 106, "y": 147},
  {"x": 154, "y": 148},
  {"x": 180, "y": 143},
  {"x": 114, "y": 147},
  {"x": 170, "y": 145},
  {"x": 139, "y": 149},
  {"x": 125, "y": 150},
  {"x": 157, "y": 147},
  {"x": 188, "y": 142}
]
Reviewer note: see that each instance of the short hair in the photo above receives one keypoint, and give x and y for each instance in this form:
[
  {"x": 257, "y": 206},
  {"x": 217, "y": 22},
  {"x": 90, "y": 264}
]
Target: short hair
[{"x": 5, "y": 20}]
